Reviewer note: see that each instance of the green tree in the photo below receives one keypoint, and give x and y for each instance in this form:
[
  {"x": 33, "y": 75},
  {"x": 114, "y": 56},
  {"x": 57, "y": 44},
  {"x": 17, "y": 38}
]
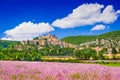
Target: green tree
[
  {"x": 114, "y": 51},
  {"x": 119, "y": 50},
  {"x": 78, "y": 55},
  {"x": 100, "y": 55},
  {"x": 86, "y": 54}
]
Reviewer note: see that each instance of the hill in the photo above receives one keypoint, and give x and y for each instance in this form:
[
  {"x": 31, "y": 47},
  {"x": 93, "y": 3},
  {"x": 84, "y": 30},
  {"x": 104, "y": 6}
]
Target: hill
[
  {"x": 6, "y": 43},
  {"x": 115, "y": 35},
  {"x": 111, "y": 35}
]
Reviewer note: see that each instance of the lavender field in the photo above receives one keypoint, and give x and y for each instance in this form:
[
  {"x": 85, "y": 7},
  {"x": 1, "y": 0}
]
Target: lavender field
[{"x": 16, "y": 70}]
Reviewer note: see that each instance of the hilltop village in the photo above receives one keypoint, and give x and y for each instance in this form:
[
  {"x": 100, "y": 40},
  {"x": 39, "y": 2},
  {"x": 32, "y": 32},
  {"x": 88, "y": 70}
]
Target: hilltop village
[
  {"x": 97, "y": 48},
  {"x": 49, "y": 40},
  {"x": 97, "y": 45}
]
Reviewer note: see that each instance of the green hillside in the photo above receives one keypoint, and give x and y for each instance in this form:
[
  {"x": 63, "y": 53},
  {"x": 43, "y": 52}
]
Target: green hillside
[
  {"x": 83, "y": 39},
  {"x": 6, "y": 43},
  {"x": 112, "y": 35}
]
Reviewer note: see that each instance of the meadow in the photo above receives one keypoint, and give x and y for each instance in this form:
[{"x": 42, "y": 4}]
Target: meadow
[{"x": 23, "y": 70}]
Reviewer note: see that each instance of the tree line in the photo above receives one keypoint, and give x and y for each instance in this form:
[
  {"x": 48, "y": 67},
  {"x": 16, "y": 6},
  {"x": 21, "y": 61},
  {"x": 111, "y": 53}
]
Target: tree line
[{"x": 32, "y": 52}]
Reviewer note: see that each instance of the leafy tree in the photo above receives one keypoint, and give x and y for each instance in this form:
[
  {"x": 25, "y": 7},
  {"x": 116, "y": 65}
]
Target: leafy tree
[
  {"x": 86, "y": 53},
  {"x": 36, "y": 38},
  {"x": 77, "y": 54},
  {"x": 114, "y": 51},
  {"x": 119, "y": 51},
  {"x": 100, "y": 55}
]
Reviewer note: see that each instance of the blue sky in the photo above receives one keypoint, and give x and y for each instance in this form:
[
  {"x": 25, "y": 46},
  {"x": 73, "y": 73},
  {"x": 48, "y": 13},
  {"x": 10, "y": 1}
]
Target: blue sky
[{"x": 25, "y": 19}]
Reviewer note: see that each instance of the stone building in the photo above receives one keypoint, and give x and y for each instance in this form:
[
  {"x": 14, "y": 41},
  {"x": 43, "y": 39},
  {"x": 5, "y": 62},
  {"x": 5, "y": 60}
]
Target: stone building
[
  {"x": 49, "y": 39},
  {"x": 29, "y": 42}
]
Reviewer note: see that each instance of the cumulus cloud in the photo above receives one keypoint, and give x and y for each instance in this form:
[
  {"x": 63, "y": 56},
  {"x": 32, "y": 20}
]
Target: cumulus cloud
[
  {"x": 118, "y": 12},
  {"x": 98, "y": 27},
  {"x": 88, "y": 14},
  {"x": 27, "y": 30}
]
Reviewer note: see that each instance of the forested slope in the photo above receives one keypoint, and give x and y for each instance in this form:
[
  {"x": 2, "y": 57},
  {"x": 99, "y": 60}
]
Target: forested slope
[{"x": 83, "y": 39}]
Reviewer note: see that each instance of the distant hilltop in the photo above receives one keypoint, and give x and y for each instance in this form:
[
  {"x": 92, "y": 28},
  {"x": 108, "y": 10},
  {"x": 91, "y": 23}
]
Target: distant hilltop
[
  {"x": 107, "y": 40},
  {"x": 48, "y": 40},
  {"x": 107, "y": 37},
  {"x": 110, "y": 39}
]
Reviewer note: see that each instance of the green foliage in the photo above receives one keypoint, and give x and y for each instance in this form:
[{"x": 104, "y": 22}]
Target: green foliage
[
  {"x": 56, "y": 51},
  {"x": 79, "y": 39},
  {"x": 114, "y": 51},
  {"x": 119, "y": 50},
  {"x": 5, "y": 43},
  {"x": 111, "y": 35},
  {"x": 28, "y": 53},
  {"x": 19, "y": 55},
  {"x": 36, "y": 38},
  {"x": 86, "y": 54},
  {"x": 115, "y": 64}
]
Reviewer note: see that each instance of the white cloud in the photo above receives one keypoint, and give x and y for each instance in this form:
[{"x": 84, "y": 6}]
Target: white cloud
[
  {"x": 27, "y": 30},
  {"x": 98, "y": 27},
  {"x": 4, "y": 38},
  {"x": 118, "y": 12},
  {"x": 88, "y": 14}
]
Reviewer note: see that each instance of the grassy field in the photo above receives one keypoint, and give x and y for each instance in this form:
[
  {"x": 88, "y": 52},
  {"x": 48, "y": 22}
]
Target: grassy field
[
  {"x": 112, "y": 64},
  {"x": 58, "y": 58}
]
